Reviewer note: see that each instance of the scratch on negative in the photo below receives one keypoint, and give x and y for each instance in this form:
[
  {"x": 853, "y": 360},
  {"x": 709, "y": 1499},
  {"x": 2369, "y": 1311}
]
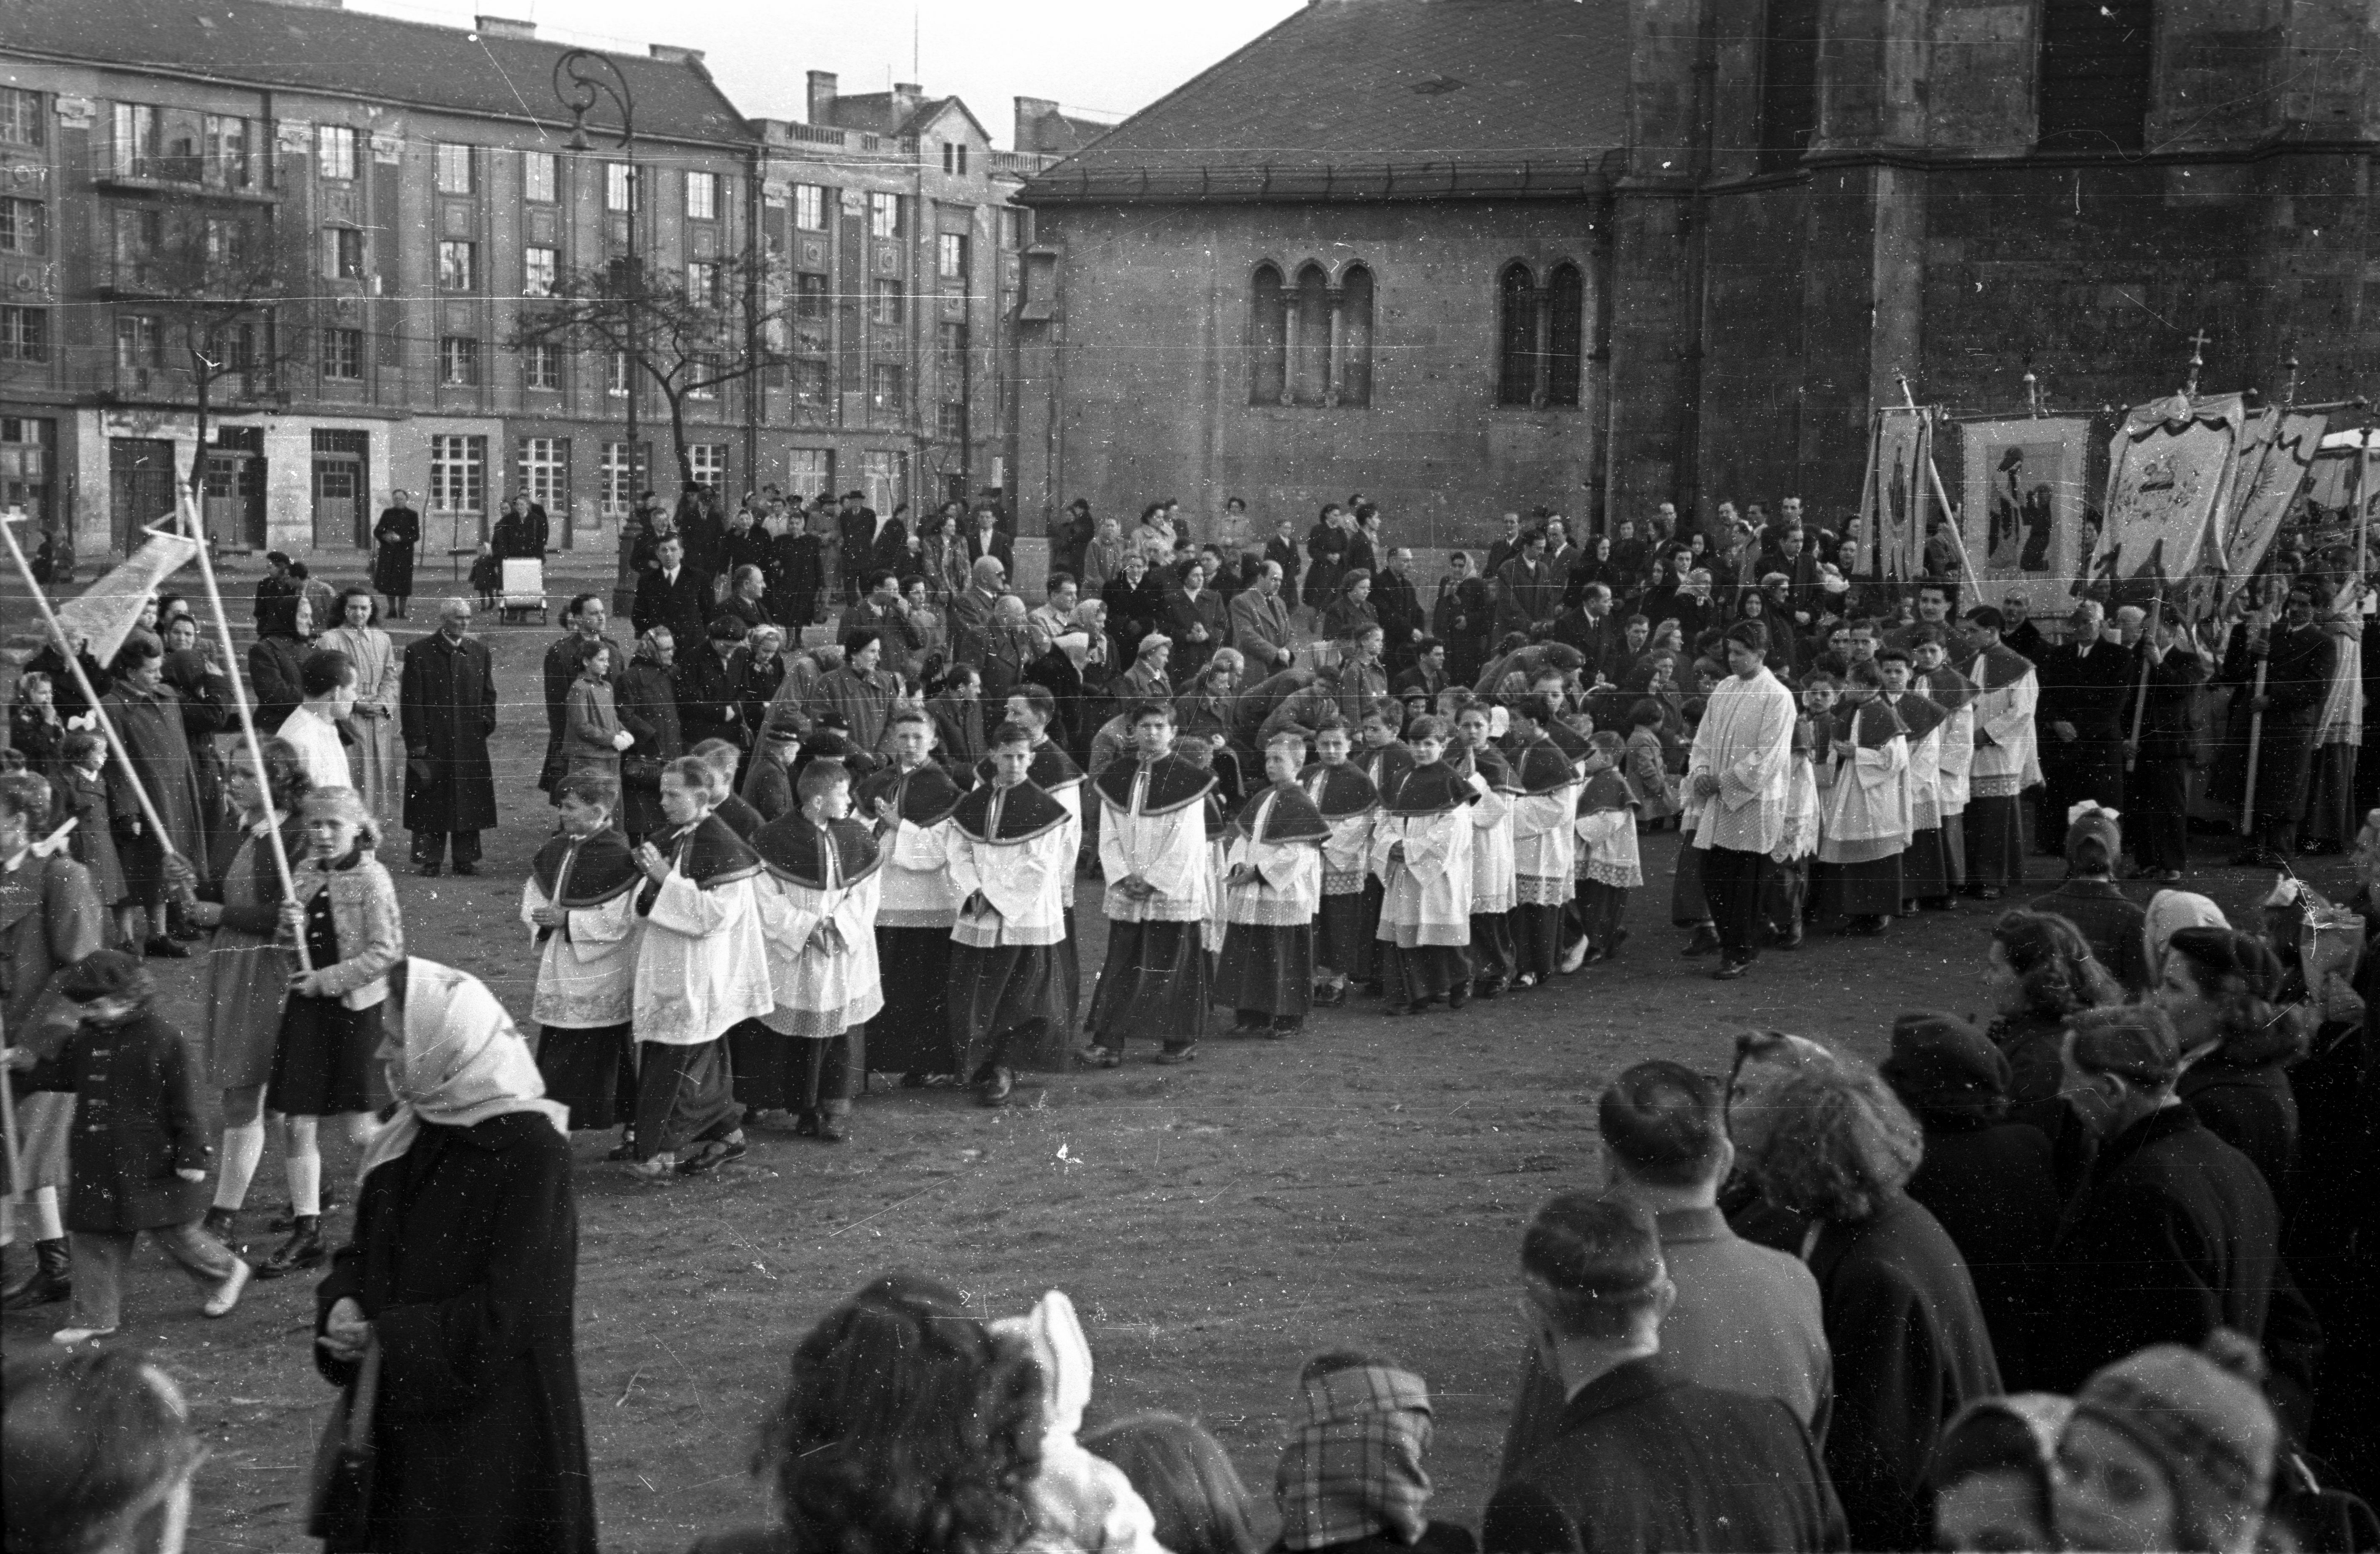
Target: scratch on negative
[{"x": 890, "y": 1208}]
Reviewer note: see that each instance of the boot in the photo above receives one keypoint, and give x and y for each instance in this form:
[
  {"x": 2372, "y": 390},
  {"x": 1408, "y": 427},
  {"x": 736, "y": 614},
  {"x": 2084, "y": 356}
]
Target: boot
[
  {"x": 51, "y": 1282},
  {"x": 302, "y": 1250}
]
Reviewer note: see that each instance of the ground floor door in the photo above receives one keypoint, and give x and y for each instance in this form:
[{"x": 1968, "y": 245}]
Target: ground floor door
[
  {"x": 234, "y": 487},
  {"x": 342, "y": 487},
  {"x": 141, "y": 481}
]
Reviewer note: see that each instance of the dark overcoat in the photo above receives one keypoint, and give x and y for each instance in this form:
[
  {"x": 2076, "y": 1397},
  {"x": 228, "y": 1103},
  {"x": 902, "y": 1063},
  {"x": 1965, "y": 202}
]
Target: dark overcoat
[
  {"x": 647, "y": 702},
  {"x": 465, "y": 1262},
  {"x": 149, "y": 724},
  {"x": 1911, "y": 1349},
  {"x": 1644, "y": 1459},
  {"x": 136, "y": 1121},
  {"x": 447, "y": 710},
  {"x": 1992, "y": 1186},
  {"x": 397, "y": 532}
]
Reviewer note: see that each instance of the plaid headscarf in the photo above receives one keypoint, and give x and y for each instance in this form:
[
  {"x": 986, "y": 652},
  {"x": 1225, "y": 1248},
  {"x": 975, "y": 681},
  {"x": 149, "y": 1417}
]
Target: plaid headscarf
[{"x": 1352, "y": 1469}]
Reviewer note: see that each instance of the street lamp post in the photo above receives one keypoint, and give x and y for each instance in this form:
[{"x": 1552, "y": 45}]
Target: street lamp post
[{"x": 582, "y": 77}]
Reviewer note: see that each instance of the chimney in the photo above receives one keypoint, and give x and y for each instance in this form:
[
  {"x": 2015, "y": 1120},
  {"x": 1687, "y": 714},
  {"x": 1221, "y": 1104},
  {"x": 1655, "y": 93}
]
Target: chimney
[
  {"x": 506, "y": 26},
  {"x": 670, "y": 54},
  {"x": 1031, "y": 112},
  {"x": 905, "y": 100},
  {"x": 822, "y": 97}
]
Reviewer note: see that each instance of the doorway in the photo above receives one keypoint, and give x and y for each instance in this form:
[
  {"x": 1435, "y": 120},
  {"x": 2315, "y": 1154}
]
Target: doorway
[
  {"x": 234, "y": 487},
  {"x": 140, "y": 486},
  {"x": 341, "y": 485}
]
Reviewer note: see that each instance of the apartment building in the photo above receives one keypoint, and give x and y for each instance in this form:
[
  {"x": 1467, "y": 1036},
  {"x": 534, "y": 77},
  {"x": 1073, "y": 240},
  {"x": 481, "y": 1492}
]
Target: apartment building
[{"x": 420, "y": 187}]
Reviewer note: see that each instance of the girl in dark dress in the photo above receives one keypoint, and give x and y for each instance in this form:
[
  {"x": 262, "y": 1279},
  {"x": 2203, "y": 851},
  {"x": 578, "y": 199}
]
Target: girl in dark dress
[
  {"x": 459, "y": 1290},
  {"x": 345, "y": 913}
]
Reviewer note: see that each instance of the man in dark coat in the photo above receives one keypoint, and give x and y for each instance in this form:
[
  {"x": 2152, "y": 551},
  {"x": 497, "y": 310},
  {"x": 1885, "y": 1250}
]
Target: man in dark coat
[
  {"x": 797, "y": 575},
  {"x": 2085, "y": 684},
  {"x": 2297, "y": 656},
  {"x": 1463, "y": 617},
  {"x": 1642, "y": 1458},
  {"x": 1528, "y": 594},
  {"x": 1397, "y": 606},
  {"x": 707, "y": 703},
  {"x": 276, "y": 594},
  {"x": 673, "y": 594},
  {"x": 2175, "y": 1233},
  {"x": 854, "y": 532},
  {"x": 447, "y": 710},
  {"x": 399, "y": 534}
]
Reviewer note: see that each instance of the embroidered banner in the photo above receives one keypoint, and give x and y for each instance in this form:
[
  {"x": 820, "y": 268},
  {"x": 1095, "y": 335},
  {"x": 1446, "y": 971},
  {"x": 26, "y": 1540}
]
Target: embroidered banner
[
  {"x": 107, "y": 610},
  {"x": 2275, "y": 460},
  {"x": 2169, "y": 472},
  {"x": 1894, "y": 508},
  {"x": 2025, "y": 505}
]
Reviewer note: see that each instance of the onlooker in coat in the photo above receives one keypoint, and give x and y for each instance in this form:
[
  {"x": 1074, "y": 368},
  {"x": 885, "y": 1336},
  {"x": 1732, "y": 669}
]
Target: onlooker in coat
[
  {"x": 1398, "y": 608},
  {"x": 1994, "y": 1474},
  {"x": 970, "y": 612},
  {"x": 799, "y": 559},
  {"x": 1746, "y": 1318},
  {"x": 708, "y": 705},
  {"x": 1528, "y": 592},
  {"x": 1910, "y": 1347},
  {"x": 593, "y": 736},
  {"x": 276, "y": 662},
  {"x": 1103, "y": 558},
  {"x": 276, "y": 593},
  {"x": 2092, "y": 901},
  {"x": 148, "y": 718},
  {"x": 985, "y": 538},
  {"x": 673, "y": 594},
  {"x": 1187, "y": 1481},
  {"x": 1351, "y": 1478},
  {"x": 140, "y": 1149},
  {"x": 1642, "y": 1457},
  {"x": 1351, "y": 613},
  {"x": 1135, "y": 601},
  {"x": 447, "y": 715},
  {"x": 1991, "y": 1182},
  {"x": 647, "y": 702},
  {"x": 98, "y": 1451},
  {"x": 2171, "y": 1448},
  {"x": 2176, "y": 1233},
  {"x": 2217, "y": 987},
  {"x": 2041, "y": 975},
  {"x": 460, "y": 1287},
  {"x": 745, "y": 603},
  {"x": 1326, "y": 549},
  {"x": 907, "y": 1424},
  {"x": 1007, "y": 651},
  {"x": 1196, "y": 617},
  {"x": 397, "y": 534},
  {"x": 1260, "y": 620}
]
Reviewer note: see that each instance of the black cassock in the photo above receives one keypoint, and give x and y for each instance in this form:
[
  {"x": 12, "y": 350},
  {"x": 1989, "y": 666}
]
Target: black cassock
[
  {"x": 2297, "y": 677},
  {"x": 448, "y": 709},
  {"x": 397, "y": 532}
]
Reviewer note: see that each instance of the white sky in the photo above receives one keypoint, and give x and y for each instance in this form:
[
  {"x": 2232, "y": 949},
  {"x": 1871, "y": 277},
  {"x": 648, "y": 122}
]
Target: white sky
[{"x": 1104, "y": 57}]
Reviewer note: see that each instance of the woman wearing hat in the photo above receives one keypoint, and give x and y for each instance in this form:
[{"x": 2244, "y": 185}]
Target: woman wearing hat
[{"x": 2170, "y": 1447}]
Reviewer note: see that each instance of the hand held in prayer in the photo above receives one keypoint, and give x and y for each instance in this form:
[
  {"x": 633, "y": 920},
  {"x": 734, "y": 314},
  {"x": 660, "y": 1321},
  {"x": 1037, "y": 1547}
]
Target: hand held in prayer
[
  {"x": 345, "y": 1330},
  {"x": 977, "y": 904},
  {"x": 1396, "y": 854},
  {"x": 189, "y": 1173},
  {"x": 649, "y": 860},
  {"x": 1240, "y": 874},
  {"x": 548, "y": 916},
  {"x": 623, "y": 739},
  {"x": 1706, "y": 784}
]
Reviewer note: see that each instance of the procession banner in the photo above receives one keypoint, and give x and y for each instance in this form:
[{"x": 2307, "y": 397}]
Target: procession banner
[
  {"x": 2025, "y": 501},
  {"x": 2169, "y": 470},
  {"x": 2274, "y": 463},
  {"x": 1894, "y": 506},
  {"x": 106, "y": 610}
]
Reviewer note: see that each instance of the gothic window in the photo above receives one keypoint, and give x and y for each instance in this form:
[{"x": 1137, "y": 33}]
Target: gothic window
[
  {"x": 1565, "y": 335},
  {"x": 1788, "y": 82},
  {"x": 1353, "y": 384},
  {"x": 1309, "y": 338},
  {"x": 1268, "y": 336},
  {"x": 2097, "y": 64},
  {"x": 1516, "y": 336}
]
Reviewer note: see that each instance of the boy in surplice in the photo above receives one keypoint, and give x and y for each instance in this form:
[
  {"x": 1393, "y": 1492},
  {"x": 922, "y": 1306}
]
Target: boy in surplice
[{"x": 1153, "y": 852}]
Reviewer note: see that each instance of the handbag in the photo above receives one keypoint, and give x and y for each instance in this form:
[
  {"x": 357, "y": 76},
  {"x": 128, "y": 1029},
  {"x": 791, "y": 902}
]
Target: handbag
[{"x": 338, "y": 1499}]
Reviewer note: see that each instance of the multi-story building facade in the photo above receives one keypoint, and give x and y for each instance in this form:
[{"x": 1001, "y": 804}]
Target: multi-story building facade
[{"x": 422, "y": 181}]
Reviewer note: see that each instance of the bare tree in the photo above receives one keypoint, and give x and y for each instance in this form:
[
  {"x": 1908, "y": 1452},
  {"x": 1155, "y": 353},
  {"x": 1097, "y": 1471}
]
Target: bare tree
[
  {"x": 216, "y": 281},
  {"x": 688, "y": 333}
]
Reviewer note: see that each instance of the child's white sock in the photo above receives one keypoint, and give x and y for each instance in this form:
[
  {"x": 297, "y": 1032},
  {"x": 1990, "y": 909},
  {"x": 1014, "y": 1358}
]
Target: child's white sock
[{"x": 243, "y": 1151}]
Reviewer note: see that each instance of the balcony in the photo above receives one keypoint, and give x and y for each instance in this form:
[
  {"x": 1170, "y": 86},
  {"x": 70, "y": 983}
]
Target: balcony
[
  {"x": 999, "y": 164},
  {"x": 180, "y": 178}
]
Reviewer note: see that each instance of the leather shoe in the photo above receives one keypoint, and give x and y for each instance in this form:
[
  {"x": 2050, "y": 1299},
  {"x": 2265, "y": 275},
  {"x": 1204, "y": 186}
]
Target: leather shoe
[
  {"x": 1728, "y": 971},
  {"x": 303, "y": 1250},
  {"x": 1703, "y": 942},
  {"x": 431, "y": 870},
  {"x": 167, "y": 946},
  {"x": 467, "y": 868}
]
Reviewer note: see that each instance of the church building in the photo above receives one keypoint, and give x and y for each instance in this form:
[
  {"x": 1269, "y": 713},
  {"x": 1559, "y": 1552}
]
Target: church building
[{"x": 1472, "y": 256}]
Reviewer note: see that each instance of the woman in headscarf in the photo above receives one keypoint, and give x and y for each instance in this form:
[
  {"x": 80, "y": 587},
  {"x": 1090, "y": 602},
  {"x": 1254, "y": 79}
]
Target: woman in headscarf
[
  {"x": 276, "y": 663},
  {"x": 455, "y": 1299},
  {"x": 2169, "y": 913},
  {"x": 377, "y": 757},
  {"x": 1370, "y": 1412},
  {"x": 647, "y": 702},
  {"x": 2221, "y": 989}
]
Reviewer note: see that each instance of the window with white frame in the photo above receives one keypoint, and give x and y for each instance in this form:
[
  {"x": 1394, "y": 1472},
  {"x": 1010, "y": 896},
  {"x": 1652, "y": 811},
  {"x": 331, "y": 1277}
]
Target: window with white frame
[
  {"x": 541, "y": 365},
  {"x": 809, "y": 471},
  {"x": 24, "y": 334},
  {"x": 343, "y": 353},
  {"x": 457, "y": 265},
  {"x": 20, "y": 117},
  {"x": 886, "y": 307},
  {"x": 24, "y": 227},
  {"x": 618, "y": 480},
  {"x": 458, "y": 360},
  {"x": 951, "y": 258},
  {"x": 702, "y": 283},
  {"x": 703, "y": 376},
  {"x": 335, "y": 150},
  {"x": 619, "y": 185},
  {"x": 708, "y": 461},
  {"x": 885, "y": 478},
  {"x": 544, "y": 464},
  {"x": 539, "y": 266},
  {"x": 454, "y": 168},
  {"x": 139, "y": 340},
  {"x": 884, "y": 214},
  {"x": 458, "y": 473},
  {"x": 810, "y": 207},
  {"x": 539, "y": 177},
  {"x": 702, "y": 196}
]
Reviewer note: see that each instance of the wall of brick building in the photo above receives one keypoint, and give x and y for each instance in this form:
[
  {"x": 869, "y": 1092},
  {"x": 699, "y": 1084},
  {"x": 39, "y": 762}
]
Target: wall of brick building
[{"x": 1148, "y": 366}]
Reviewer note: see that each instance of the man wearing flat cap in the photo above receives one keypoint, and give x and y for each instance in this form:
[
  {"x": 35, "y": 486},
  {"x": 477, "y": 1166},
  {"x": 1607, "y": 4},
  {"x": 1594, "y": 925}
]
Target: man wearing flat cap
[{"x": 1642, "y": 1457}]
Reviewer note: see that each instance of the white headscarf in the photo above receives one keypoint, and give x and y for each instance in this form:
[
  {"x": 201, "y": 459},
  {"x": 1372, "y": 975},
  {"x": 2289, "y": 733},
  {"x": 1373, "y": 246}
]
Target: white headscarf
[
  {"x": 456, "y": 1062},
  {"x": 2169, "y": 913}
]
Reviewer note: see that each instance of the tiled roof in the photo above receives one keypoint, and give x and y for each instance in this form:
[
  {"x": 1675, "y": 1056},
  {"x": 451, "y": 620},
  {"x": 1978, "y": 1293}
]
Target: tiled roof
[
  {"x": 879, "y": 112},
  {"x": 1367, "y": 98},
  {"x": 352, "y": 54}
]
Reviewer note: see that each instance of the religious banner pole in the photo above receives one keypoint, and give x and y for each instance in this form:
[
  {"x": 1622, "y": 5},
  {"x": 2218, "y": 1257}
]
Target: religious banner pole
[
  {"x": 1871, "y": 511},
  {"x": 68, "y": 651},
  {"x": 2141, "y": 701},
  {"x": 1966, "y": 566},
  {"x": 2259, "y": 643},
  {"x": 195, "y": 518}
]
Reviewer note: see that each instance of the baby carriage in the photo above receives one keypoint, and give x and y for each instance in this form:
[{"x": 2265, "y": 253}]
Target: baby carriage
[{"x": 523, "y": 591}]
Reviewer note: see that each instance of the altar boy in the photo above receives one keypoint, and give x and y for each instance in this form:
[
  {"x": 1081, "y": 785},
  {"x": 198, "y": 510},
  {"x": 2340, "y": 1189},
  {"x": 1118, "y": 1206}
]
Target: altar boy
[
  {"x": 1011, "y": 847},
  {"x": 1421, "y": 850},
  {"x": 1153, "y": 851},
  {"x": 818, "y": 905},
  {"x": 1272, "y": 887}
]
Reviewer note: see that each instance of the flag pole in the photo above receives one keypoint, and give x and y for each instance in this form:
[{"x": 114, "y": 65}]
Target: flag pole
[
  {"x": 73, "y": 656},
  {"x": 192, "y": 516},
  {"x": 2141, "y": 702},
  {"x": 1941, "y": 495}
]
